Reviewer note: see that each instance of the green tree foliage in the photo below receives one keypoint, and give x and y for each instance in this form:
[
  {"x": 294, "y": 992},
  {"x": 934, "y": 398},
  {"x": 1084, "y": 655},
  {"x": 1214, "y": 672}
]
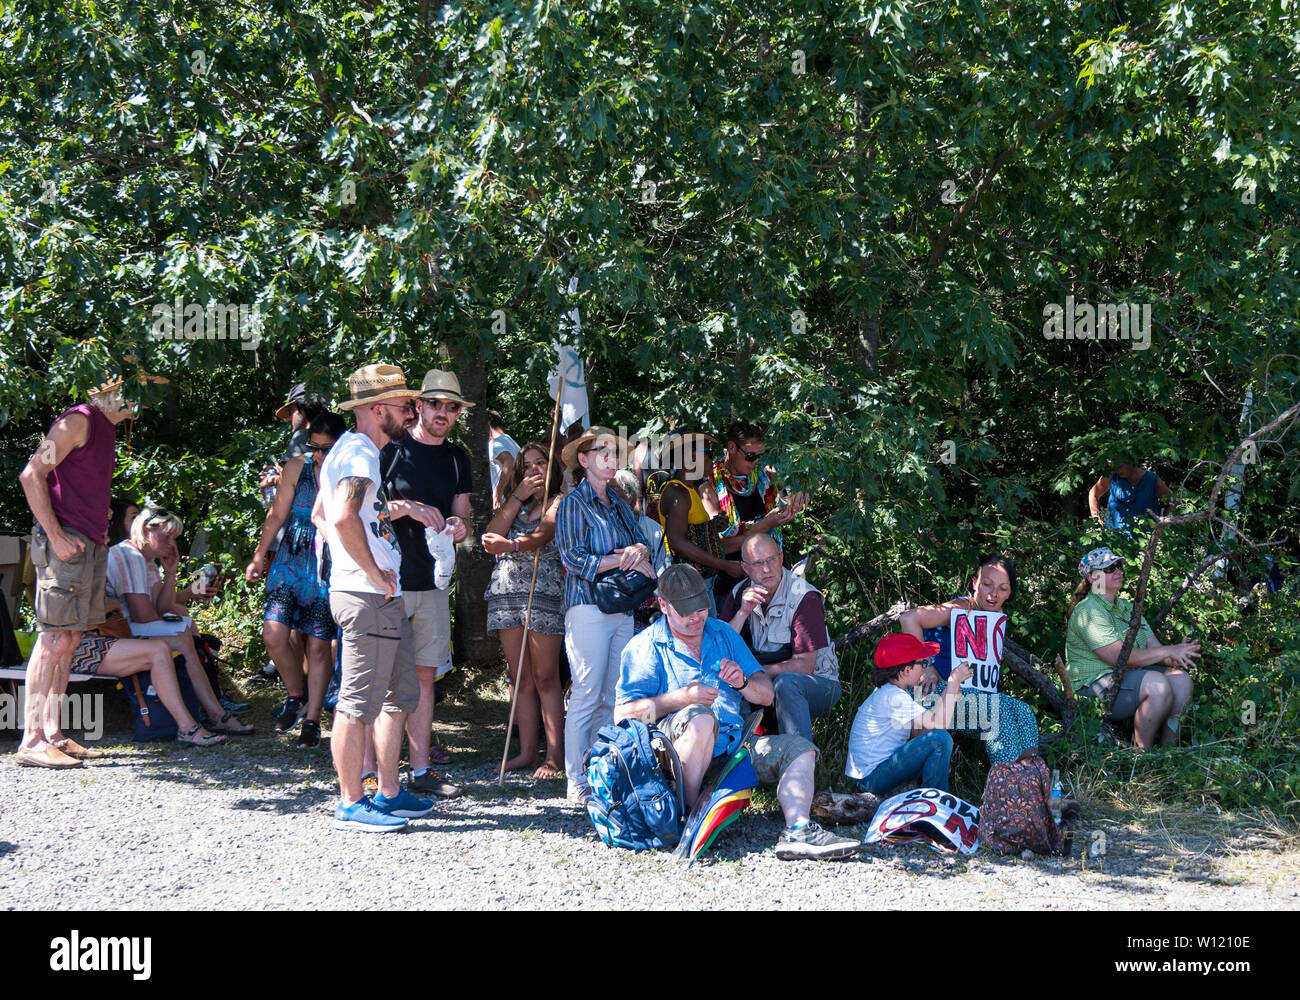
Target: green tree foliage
[{"x": 847, "y": 220}]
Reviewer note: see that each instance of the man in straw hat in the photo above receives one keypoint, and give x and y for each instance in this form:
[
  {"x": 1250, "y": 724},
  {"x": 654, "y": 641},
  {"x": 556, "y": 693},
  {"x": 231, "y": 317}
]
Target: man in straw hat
[
  {"x": 358, "y": 553},
  {"x": 68, "y": 483},
  {"x": 427, "y": 479}
]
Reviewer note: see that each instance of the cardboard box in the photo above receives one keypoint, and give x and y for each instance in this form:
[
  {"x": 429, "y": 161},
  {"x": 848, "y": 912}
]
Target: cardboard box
[{"x": 13, "y": 553}]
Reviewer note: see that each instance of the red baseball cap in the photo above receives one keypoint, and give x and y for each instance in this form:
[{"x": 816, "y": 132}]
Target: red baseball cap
[{"x": 899, "y": 649}]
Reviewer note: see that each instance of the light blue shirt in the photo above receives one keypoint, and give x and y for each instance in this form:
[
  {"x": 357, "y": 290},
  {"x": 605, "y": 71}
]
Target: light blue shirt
[
  {"x": 586, "y": 531},
  {"x": 655, "y": 662}
]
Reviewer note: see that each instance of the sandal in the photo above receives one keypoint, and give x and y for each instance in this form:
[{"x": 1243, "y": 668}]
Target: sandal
[
  {"x": 229, "y": 724},
  {"x": 191, "y": 737},
  {"x": 437, "y": 755}
]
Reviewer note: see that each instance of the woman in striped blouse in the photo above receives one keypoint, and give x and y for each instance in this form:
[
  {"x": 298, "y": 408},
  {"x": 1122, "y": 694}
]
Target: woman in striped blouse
[{"x": 595, "y": 531}]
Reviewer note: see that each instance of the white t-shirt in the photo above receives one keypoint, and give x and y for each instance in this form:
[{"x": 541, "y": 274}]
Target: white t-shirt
[
  {"x": 355, "y": 455},
  {"x": 502, "y": 444},
  {"x": 882, "y": 725},
  {"x": 129, "y": 572}
]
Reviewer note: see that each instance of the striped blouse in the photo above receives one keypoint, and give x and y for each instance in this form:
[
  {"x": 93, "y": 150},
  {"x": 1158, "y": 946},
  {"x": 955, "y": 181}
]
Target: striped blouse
[{"x": 587, "y": 530}]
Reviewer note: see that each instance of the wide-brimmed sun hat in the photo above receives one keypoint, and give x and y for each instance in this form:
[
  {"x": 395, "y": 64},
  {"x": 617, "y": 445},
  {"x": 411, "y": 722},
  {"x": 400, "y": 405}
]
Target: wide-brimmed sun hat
[
  {"x": 376, "y": 384},
  {"x": 570, "y": 454},
  {"x": 438, "y": 384}
]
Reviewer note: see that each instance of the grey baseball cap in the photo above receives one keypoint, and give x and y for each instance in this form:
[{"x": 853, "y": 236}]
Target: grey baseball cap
[{"x": 683, "y": 587}]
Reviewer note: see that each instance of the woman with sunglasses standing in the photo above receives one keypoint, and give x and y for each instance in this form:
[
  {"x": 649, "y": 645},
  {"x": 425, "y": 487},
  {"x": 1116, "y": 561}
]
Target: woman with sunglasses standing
[
  {"x": 296, "y": 599},
  {"x": 595, "y": 532},
  {"x": 1156, "y": 687}
]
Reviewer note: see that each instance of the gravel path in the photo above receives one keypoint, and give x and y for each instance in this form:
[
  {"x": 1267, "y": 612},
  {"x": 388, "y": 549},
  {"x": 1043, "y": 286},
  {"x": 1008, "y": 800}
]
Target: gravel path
[{"x": 246, "y": 826}]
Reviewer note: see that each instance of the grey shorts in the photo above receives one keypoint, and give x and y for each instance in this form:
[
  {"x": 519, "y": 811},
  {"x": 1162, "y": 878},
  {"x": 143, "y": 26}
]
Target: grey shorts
[
  {"x": 771, "y": 755},
  {"x": 378, "y": 655},
  {"x": 1126, "y": 702},
  {"x": 69, "y": 595}
]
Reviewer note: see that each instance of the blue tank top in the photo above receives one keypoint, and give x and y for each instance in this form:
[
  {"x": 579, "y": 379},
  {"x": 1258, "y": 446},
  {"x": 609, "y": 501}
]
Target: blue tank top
[{"x": 1127, "y": 501}]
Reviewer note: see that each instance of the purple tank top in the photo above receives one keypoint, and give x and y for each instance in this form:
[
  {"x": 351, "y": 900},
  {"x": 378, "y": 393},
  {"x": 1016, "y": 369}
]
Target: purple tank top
[{"x": 81, "y": 486}]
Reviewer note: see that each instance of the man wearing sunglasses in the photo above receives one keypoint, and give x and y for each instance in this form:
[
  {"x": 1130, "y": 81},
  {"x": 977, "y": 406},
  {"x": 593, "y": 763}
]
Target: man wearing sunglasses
[{"x": 427, "y": 479}]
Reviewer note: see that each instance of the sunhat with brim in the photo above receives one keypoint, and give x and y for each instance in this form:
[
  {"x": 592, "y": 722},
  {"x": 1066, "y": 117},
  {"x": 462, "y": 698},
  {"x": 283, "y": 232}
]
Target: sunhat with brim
[
  {"x": 443, "y": 385},
  {"x": 1098, "y": 559},
  {"x": 120, "y": 381},
  {"x": 297, "y": 395},
  {"x": 682, "y": 443},
  {"x": 570, "y": 454},
  {"x": 376, "y": 384},
  {"x": 899, "y": 649}
]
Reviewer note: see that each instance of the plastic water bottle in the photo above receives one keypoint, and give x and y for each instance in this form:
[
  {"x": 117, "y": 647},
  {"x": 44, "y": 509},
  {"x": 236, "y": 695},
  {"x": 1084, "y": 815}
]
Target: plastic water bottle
[{"x": 1057, "y": 800}]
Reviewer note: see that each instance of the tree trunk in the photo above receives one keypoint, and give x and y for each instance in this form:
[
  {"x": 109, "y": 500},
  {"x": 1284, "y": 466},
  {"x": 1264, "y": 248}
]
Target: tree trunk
[{"x": 470, "y": 640}]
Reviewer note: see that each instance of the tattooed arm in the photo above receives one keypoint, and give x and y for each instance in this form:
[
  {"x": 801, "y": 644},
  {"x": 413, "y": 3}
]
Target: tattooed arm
[{"x": 346, "y": 526}]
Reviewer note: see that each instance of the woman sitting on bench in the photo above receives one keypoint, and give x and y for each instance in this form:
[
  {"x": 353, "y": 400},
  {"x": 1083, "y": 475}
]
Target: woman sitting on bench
[
  {"x": 145, "y": 595},
  {"x": 104, "y": 655}
]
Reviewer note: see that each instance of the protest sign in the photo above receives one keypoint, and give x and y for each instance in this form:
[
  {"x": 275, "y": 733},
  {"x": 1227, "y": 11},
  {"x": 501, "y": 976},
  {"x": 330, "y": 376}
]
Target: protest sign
[{"x": 977, "y": 639}]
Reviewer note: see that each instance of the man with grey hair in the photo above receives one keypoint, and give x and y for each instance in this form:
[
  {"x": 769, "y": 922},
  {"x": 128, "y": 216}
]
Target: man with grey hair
[
  {"x": 68, "y": 484},
  {"x": 782, "y": 619}
]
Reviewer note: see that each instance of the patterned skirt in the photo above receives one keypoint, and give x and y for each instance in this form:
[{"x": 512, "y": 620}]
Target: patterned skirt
[{"x": 507, "y": 595}]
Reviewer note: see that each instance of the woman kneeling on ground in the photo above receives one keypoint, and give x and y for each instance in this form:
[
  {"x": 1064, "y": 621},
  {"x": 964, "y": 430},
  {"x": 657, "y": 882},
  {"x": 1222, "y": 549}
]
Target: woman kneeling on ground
[
  {"x": 1006, "y": 724},
  {"x": 517, "y": 530},
  {"x": 1155, "y": 688},
  {"x": 894, "y": 739}
]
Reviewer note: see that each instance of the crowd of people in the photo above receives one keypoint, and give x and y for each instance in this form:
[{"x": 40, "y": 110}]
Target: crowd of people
[{"x": 658, "y": 576}]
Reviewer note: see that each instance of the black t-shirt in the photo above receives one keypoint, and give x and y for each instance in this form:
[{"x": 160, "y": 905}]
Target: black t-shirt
[
  {"x": 428, "y": 473},
  {"x": 748, "y": 508}
]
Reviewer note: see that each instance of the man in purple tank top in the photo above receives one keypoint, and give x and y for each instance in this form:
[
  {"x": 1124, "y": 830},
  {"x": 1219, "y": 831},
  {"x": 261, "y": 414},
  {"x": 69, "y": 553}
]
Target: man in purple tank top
[{"x": 68, "y": 483}]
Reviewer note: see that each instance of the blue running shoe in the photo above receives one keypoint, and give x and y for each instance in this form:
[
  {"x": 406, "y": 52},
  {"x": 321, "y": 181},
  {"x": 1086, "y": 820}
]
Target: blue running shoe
[
  {"x": 403, "y": 804},
  {"x": 364, "y": 817}
]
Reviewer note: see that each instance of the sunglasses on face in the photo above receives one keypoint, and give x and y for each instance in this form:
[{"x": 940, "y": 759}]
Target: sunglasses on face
[
  {"x": 750, "y": 456},
  {"x": 321, "y": 448},
  {"x": 443, "y": 404}
]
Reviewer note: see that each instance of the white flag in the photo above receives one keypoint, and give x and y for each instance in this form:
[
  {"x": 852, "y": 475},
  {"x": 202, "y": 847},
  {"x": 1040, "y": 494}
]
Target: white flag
[{"x": 569, "y": 377}]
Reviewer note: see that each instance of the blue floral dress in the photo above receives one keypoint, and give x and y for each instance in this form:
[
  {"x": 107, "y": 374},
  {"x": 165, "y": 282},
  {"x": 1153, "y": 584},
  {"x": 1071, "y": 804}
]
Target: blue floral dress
[{"x": 295, "y": 595}]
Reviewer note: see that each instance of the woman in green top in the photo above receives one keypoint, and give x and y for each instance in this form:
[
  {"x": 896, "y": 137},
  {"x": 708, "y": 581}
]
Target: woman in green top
[{"x": 1155, "y": 689}]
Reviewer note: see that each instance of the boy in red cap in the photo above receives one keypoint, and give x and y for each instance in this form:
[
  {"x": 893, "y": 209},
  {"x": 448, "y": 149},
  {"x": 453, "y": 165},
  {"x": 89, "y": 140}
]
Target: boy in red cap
[{"x": 894, "y": 739}]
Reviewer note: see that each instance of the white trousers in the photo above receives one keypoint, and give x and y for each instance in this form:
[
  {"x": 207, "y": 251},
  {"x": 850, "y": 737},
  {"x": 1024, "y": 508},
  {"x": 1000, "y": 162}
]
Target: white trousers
[{"x": 594, "y": 642}]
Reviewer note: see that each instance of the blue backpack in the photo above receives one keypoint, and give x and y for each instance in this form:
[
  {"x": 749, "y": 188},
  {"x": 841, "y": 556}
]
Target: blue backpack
[{"x": 636, "y": 794}]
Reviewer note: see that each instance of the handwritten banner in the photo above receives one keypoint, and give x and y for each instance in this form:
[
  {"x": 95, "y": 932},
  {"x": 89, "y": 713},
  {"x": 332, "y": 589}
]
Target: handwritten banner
[{"x": 977, "y": 639}]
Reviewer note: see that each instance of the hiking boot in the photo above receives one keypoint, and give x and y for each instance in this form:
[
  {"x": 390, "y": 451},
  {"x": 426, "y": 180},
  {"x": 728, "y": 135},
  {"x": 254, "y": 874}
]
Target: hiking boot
[
  {"x": 403, "y": 804},
  {"x": 432, "y": 782},
  {"x": 811, "y": 841},
  {"x": 364, "y": 817},
  {"x": 289, "y": 714},
  {"x": 310, "y": 735}
]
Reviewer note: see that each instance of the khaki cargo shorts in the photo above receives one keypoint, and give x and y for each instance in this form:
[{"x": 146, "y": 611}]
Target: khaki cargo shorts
[
  {"x": 770, "y": 755},
  {"x": 69, "y": 594},
  {"x": 378, "y": 657}
]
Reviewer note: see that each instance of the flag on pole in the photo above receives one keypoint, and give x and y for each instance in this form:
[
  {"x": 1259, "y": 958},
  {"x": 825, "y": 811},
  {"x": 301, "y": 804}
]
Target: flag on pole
[{"x": 569, "y": 378}]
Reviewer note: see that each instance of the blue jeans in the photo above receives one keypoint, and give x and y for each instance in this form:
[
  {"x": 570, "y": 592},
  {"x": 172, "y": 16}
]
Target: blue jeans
[
  {"x": 800, "y": 698},
  {"x": 928, "y": 756}
]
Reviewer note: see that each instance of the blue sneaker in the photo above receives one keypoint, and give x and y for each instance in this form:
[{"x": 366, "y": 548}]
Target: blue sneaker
[
  {"x": 403, "y": 804},
  {"x": 364, "y": 817}
]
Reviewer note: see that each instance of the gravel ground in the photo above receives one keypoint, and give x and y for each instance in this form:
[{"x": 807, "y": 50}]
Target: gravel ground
[{"x": 247, "y": 826}]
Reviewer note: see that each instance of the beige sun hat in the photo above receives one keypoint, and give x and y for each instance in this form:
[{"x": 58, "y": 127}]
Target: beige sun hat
[
  {"x": 570, "y": 454},
  {"x": 140, "y": 376},
  {"x": 375, "y": 384},
  {"x": 439, "y": 384}
]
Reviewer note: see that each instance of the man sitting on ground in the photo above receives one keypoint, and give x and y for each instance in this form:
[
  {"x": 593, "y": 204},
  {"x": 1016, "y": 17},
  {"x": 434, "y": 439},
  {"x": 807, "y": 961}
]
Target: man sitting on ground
[
  {"x": 685, "y": 674},
  {"x": 786, "y": 625}
]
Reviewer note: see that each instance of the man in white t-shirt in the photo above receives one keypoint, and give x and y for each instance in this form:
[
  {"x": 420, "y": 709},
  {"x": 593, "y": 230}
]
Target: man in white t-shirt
[
  {"x": 357, "y": 552},
  {"x": 894, "y": 739},
  {"x": 502, "y": 452}
]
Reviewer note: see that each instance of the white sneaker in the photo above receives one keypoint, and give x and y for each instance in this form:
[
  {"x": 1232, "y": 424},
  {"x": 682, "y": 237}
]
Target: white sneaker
[{"x": 443, "y": 550}]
